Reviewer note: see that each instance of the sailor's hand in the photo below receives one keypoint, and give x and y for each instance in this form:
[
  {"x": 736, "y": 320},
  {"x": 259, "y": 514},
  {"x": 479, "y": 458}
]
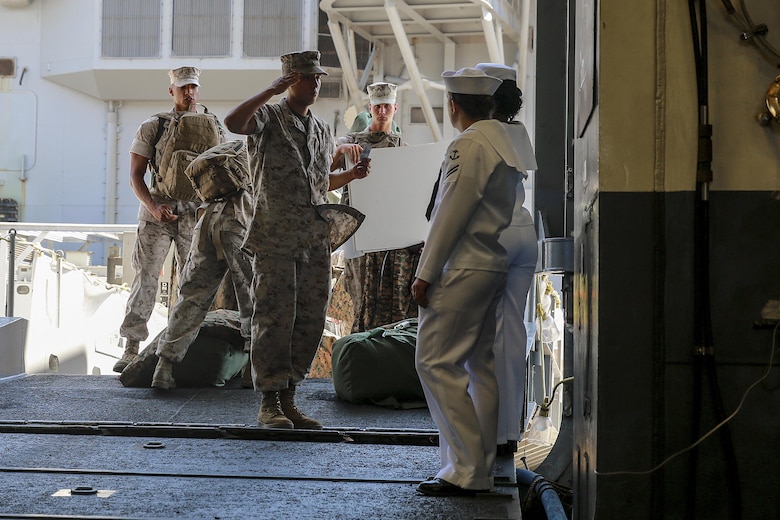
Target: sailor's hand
[{"x": 420, "y": 292}]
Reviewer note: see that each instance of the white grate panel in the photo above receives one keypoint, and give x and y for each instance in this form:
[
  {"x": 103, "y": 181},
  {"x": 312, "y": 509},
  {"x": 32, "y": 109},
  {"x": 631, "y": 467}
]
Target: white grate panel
[
  {"x": 201, "y": 27},
  {"x": 273, "y": 27},
  {"x": 131, "y": 29}
]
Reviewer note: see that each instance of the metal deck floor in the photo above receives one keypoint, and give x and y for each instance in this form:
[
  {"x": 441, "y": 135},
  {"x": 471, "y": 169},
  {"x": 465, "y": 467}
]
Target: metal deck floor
[{"x": 87, "y": 447}]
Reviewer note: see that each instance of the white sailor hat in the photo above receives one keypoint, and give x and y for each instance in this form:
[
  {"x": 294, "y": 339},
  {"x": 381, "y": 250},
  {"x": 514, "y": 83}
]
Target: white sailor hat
[
  {"x": 469, "y": 80},
  {"x": 499, "y": 71}
]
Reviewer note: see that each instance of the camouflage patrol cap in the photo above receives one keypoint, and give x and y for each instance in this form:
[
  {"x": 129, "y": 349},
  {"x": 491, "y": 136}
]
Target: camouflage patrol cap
[
  {"x": 184, "y": 76},
  {"x": 380, "y": 93},
  {"x": 305, "y": 62}
]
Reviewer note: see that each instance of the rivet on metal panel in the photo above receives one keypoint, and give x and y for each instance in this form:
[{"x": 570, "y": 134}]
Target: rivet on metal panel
[
  {"x": 345, "y": 437},
  {"x": 83, "y": 490}
]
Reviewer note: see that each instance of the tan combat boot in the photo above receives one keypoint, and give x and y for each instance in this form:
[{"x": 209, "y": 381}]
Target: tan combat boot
[
  {"x": 131, "y": 351},
  {"x": 163, "y": 374},
  {"x": 271, "y": 415},
  {"x": 298, "y": 418}
]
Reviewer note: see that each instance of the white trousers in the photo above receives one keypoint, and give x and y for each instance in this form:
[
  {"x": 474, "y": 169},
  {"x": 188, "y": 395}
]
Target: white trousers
[
  {"x": 454, "y": 360},
  {"x": 511, "y": 336}
]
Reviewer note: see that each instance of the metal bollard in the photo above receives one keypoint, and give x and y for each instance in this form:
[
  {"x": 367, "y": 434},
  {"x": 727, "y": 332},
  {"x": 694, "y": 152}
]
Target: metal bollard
[{"x": 9, "y": 303}]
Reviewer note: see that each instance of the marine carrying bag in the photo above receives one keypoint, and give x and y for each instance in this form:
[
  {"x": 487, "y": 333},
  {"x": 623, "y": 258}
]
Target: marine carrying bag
[
  {"x": 188, "y": 135},
  {"x": 220, "y": 171}
]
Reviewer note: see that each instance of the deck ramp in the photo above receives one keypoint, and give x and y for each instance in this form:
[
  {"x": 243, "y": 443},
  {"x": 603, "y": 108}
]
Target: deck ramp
[{"x": 87, "y": 447}]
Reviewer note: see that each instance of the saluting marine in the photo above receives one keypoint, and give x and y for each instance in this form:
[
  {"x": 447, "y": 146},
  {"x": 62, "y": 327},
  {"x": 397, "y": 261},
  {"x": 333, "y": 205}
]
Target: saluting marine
[{"x": 290, "y": 153}]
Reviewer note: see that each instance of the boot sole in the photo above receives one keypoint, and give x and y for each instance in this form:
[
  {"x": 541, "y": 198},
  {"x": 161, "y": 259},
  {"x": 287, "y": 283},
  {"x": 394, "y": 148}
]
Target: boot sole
[
  {"x": 276, "y": 426},
  {"x": 119, "y": 367},
  {"x": 310, "y": 426},
  {"x": 122, "y": 363},
  {"x": 163, "y": 385}
]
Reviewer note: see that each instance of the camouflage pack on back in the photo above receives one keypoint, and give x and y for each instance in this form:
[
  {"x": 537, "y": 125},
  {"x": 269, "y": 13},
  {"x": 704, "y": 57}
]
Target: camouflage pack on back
[
  {"x": 188, "y": 135},
  {"x": 220, "y": 171}
]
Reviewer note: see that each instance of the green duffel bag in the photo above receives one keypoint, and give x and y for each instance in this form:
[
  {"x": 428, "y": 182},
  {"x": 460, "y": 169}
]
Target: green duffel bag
[
  {"x": 214, "y": 358},
  {"x": 377, "y": 366}
]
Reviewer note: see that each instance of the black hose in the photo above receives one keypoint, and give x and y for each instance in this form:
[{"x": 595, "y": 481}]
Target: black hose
[
  {"x": 9, "y": 302},
  {"x": 551, "y": 502},
  {"x": 754, "y": 32},
  {"x": 704, "y": 351},
  {"x": 728, "y": 6},
  {"x": 703, "y": 343},
  {"x": 750, "y": 31},
  {"x": 697, "y": 51}
]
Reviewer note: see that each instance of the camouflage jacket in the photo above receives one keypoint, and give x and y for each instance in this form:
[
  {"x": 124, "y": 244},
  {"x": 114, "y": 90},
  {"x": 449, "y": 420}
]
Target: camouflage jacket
[{"x": 289, "y": 161}]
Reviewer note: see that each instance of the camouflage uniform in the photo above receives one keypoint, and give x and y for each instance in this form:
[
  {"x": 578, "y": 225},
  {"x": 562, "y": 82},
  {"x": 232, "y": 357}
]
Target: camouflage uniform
[
  {"x": 216, "y": 249},
  {"x": 290, "y": 243},
  {"x": 154, "y": 241},
  {"x": 378, "y": 282}
]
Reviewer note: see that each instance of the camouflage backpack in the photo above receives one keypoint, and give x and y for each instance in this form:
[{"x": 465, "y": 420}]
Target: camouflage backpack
[
  {"x": 220, "y": 171},
  {"x": 188, "y": 135}
]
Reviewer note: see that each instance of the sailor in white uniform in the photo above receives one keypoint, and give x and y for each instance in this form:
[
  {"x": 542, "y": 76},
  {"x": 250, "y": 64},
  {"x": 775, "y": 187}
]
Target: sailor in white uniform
[
  {"x": 459, "y": 281},
  {"x": 520, "y": 241}
]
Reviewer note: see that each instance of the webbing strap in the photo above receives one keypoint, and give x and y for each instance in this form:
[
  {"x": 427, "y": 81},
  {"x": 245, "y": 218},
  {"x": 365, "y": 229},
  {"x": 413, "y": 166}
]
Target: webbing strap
[{"x": 216, "y": 235}]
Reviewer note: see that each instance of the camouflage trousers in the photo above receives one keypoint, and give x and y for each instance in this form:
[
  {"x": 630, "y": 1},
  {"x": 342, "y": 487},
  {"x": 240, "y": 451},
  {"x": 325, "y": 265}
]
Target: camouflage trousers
[
  {"x": 380, "y": 286},
  {"x": 214, "y": 252},
  {"x": 290, "y": 302},
  {"x": 151, "y": 247}
]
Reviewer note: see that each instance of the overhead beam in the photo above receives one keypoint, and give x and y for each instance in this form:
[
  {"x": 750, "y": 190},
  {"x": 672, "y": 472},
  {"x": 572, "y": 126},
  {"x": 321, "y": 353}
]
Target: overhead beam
[
  {"x": 522, "y": 66},
  {"x": 504, "y": 15},
  {"x": 427, "y": 37},
  {"x": 500, "y": 40},
  {"x": 431, "y": 21},
  {"x": 367, "y": 70},
  {"x": 391, "y": 7},
  {"x": 348, "y": 68},
  {"x": 411, "y": 13},
  {"x": 494, "y": 46},
  {"x": 336, "y": 16}
]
